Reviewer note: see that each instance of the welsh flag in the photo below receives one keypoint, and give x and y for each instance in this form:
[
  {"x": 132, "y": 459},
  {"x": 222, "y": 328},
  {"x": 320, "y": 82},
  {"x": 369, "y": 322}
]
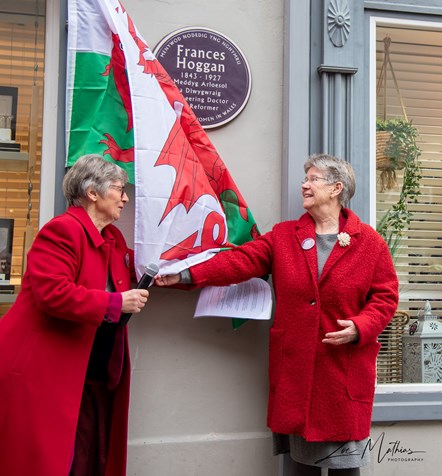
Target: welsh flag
[{"x": 123, "y": 105}]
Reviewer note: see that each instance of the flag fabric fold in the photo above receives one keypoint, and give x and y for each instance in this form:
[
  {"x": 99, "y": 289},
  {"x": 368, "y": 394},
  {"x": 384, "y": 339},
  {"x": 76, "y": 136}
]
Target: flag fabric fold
[{"x": 123, "y": 105}]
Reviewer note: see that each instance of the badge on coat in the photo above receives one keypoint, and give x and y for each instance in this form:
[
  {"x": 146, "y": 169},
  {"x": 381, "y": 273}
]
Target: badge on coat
[
  {"x": 308, "y": 244},
  {"x": 127, "y": 260}
]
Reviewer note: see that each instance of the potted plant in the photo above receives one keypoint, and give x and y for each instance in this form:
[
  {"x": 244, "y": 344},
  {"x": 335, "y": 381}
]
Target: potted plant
[
  {"x": 403, "y": 153},
  {"x": 395, "y": 147}
]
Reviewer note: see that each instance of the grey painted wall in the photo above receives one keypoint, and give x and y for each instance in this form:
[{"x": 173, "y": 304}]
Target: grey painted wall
[{"x": 199, "y": 389}]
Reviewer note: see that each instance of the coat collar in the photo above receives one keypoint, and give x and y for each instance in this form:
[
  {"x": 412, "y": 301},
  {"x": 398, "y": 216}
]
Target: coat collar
[
  {"x": 80, "y": 214},
  {"x": 305, "y": 231},
  {"x": 348, "y": 222}
]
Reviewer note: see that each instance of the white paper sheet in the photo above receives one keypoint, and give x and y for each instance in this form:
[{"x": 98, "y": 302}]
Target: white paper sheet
[{"x": 248, "y": 300}]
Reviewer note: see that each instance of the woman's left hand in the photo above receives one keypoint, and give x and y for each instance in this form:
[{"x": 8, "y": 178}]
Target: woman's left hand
[{"x": 348, "y": 334}]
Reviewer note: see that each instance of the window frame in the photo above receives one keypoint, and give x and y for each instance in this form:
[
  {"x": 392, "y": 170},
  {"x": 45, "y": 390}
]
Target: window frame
[{"x": 53, "y": 135}]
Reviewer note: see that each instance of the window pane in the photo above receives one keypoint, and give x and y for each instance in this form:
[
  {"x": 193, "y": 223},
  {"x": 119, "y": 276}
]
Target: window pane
[
  {"x": 409, "y": 63},
  {"x": 21, "y": 90}
]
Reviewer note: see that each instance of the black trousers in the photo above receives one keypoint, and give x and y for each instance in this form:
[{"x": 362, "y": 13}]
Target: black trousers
[
  {"x": 93, "y": 430},
  {"x": 299, "y": 469}
]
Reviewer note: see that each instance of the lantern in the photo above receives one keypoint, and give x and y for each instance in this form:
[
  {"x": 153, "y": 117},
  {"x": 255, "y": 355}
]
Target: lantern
[{"x": 422, "y": 349}]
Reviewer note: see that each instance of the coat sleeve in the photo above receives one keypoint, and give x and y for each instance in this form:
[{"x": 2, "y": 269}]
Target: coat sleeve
[
  {"x": 253, "y": 259},
  {"x": 382, "y": 299},
  {"x": 55, "y": 260}
]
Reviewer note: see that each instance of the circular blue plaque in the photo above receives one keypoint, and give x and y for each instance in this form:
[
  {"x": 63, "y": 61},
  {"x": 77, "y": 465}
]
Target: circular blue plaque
[{"x": 210, "y": 71}]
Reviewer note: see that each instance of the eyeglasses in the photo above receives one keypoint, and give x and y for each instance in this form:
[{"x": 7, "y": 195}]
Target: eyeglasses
[
  {"x": 120, "y": 188},
  {"x": 312, "y": 179}
]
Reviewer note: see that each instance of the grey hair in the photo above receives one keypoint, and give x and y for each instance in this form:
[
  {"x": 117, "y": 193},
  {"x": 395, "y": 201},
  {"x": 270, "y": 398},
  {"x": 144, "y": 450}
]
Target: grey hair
[
  {"x": 335, "y": 170},
  {"x": 91, "y": 171}
]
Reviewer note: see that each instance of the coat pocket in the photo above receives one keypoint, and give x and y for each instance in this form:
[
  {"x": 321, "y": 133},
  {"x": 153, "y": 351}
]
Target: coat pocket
[
  {"x": 361, "y": 375},
  {"x": 24, "y": 352},
  {"x": 275, "y": 356}
]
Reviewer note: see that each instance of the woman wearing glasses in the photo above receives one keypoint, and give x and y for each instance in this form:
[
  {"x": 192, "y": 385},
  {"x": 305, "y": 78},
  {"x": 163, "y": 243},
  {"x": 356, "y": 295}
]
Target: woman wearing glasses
[
  {"x": 336, "y": 290},
  {"x": 64, "y": 360}
]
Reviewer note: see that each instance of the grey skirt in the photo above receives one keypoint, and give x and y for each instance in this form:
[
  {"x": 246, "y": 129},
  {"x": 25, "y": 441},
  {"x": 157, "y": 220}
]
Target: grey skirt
[{"x": 326, "y": 454}]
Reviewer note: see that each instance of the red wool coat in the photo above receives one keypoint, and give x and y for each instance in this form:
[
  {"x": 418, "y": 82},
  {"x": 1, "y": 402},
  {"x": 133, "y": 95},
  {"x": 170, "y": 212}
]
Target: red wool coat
[
  {"x": 319, "y": 391},
  {"x": 45, "y": 343}
]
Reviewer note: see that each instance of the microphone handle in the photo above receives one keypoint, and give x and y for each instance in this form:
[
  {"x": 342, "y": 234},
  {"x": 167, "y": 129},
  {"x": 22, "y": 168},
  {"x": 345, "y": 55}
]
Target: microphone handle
[{"x": 143, "y": 283}]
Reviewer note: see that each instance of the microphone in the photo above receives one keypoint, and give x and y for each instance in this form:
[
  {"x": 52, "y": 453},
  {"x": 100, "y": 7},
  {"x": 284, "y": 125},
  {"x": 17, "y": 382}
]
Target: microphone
[{"x": 149, "y": 272}]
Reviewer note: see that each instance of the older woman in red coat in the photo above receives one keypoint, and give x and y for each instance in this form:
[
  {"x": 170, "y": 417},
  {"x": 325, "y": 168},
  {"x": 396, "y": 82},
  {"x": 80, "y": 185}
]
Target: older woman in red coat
[
  {"x": 336, "y": 289},
  {"x": 64, "y": 361}
]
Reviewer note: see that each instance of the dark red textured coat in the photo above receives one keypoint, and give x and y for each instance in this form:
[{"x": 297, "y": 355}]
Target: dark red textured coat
[
  {"x": 45, "y": 343},
  {"x": 318, "y": 391}
]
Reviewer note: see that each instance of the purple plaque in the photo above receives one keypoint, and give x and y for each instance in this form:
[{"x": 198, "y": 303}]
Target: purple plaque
[{"x": 210, "y": 71}]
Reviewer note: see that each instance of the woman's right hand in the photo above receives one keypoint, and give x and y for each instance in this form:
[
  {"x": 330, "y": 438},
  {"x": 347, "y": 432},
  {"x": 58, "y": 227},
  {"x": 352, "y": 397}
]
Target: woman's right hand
[
  {"x": 134, "y": 300},
  {"x": 167, "y": 280}
]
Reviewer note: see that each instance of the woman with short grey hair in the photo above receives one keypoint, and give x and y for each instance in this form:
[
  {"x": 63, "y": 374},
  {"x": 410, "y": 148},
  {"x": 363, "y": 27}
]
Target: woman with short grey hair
[
  {"x": 335, "y": 170},
  {"x": 91, "y": 171},
  {"x": 64, "y": 357}
]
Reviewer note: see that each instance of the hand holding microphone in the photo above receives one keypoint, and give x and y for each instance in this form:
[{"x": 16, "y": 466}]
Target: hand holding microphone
[{"x": 135, "y": 299}]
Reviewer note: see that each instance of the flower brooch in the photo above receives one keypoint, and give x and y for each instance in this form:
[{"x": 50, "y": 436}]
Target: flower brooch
[{"x": 344, "y": 239}]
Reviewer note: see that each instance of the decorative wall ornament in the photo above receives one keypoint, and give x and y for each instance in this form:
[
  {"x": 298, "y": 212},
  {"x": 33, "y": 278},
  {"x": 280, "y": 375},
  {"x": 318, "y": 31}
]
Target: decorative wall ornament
[{"x": 338, "y": 22}]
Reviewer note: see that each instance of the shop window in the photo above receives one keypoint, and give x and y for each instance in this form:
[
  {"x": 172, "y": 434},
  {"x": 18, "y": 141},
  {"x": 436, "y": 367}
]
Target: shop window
[
  {"x": 409, "y": 91},
  {"x": 21, "y": 88}
]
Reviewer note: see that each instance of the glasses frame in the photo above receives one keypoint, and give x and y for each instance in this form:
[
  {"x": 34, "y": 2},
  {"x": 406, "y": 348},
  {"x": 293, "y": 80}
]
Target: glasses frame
[
  {"x": 312, "y": 179},
  {"x": 120, "y": 188}
]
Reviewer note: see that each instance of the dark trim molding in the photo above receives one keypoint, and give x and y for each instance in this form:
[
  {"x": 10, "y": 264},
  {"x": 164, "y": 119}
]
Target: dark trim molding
[{"x": 336, "y": 69}]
